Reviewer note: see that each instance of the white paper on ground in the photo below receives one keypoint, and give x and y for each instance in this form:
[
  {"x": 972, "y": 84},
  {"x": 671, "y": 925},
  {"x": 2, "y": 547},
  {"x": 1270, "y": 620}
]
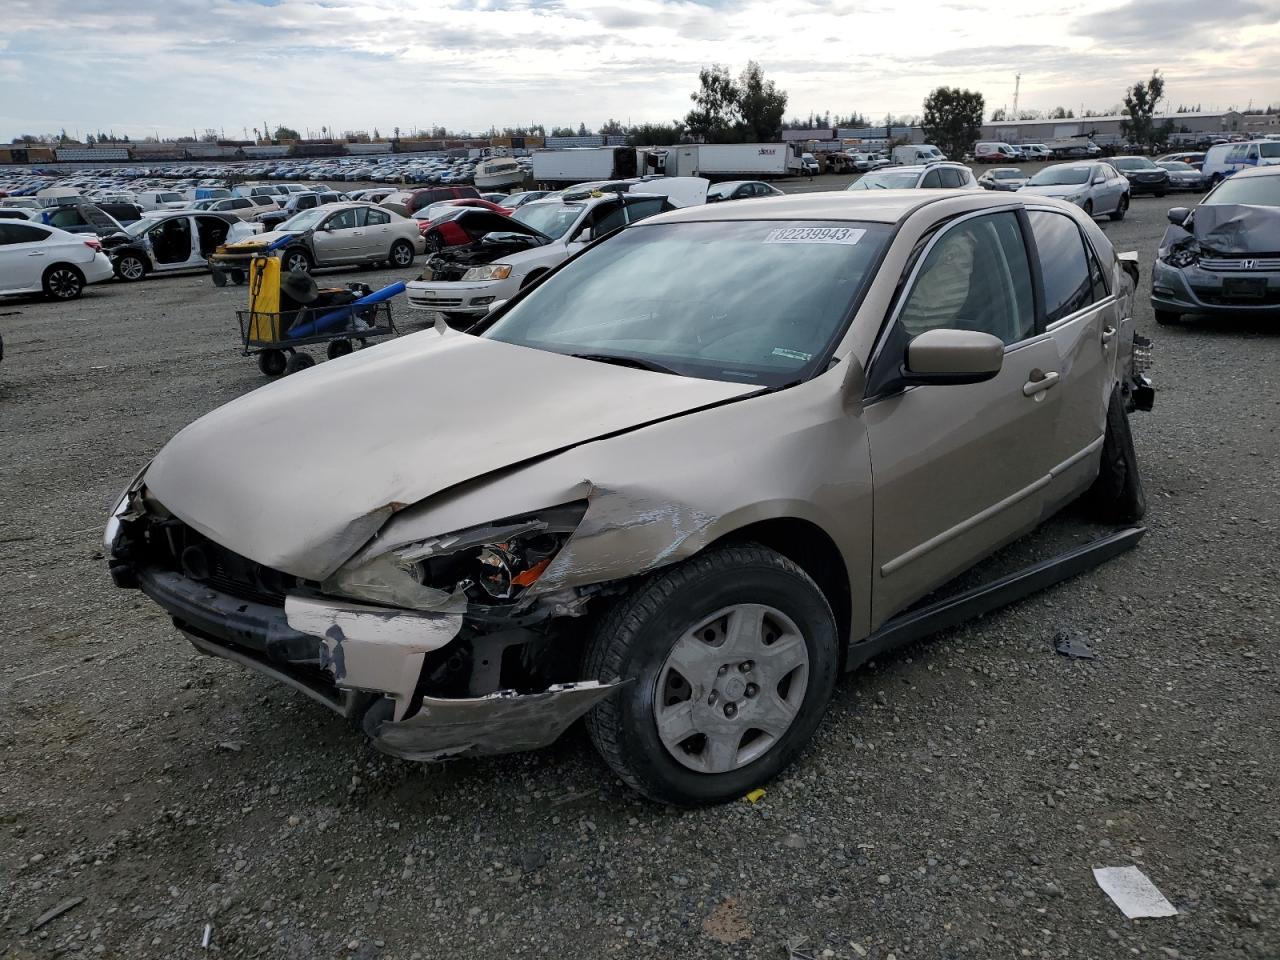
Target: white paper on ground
[{"x": 1133, "y": 893}]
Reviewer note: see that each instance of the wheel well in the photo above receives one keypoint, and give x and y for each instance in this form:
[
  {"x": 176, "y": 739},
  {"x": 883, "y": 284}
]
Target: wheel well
[
  {"x": 533, "y": 277},
  {"x": 809, "y": 546},
  {"x": 54, "y": 266}
]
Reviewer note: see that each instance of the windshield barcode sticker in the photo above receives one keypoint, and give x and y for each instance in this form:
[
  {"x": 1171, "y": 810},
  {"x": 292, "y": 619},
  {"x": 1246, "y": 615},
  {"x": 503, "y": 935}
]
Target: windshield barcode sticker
[{"x": 845, "y": 235}]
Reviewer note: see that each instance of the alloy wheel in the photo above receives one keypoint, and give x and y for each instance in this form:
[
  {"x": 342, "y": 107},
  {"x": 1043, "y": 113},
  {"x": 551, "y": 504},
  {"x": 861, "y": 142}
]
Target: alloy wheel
[
  {"x": 731, "y": 687},
  {"x": 64, "y": 284}
]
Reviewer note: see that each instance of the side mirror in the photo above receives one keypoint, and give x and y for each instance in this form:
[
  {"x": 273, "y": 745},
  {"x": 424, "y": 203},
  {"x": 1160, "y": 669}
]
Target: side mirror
[
  {"x": 1178, "y": 215},
  {"x": 585, "y": 235},
  {"x": 952, "y": 357}
]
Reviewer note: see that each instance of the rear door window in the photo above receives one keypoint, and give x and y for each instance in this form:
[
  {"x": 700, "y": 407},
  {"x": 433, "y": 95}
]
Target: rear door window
[
  {"x": 21, "y": 233},
  {"x": 931, "y": 180},
  {"x": 1068, "y": 281},
  {"x": 376, "y": 217},
  {"x": 639, "y": 209},
  {"x": 950, "y": 178}
]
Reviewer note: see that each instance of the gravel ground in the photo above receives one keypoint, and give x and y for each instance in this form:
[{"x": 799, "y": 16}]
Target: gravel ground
[{"x": 953, "y": 803}]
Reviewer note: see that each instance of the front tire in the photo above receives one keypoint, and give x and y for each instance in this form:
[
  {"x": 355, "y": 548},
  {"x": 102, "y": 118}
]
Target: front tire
[
  {"x": 296, "y": 261},
  {"x": 131, "y": 268},
  {"x": 730, "y": 658},
  {"x": 63, "y": 282},
  {"x": 1088, "y": 208},
  {"x": 1121, "y": 208},
  {"x": 1166, "y": 318},
  {"x": 1117, "y": 494}
]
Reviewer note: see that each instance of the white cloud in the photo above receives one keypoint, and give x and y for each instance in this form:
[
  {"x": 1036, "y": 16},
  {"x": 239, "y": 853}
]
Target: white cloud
[{"x": 170, "y": 65}]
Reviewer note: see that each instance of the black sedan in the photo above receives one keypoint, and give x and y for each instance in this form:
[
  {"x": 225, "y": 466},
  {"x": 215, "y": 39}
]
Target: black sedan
[
  {"x": 740, "y": 190},
  {"x": 1183, "y": 176},
  {"x": 1143, "y": 175}
]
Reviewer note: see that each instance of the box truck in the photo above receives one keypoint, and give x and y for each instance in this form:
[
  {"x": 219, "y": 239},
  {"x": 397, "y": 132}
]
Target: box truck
[
  {"x": 562, "y": 168},
  {"x": 723, "y": 161}
]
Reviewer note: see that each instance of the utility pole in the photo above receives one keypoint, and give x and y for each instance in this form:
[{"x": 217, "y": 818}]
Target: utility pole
[{"x": 1017, "y": 84}]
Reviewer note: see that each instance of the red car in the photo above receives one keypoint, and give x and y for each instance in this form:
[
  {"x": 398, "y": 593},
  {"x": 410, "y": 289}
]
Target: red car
[
  {"x": 438, "y": 219},
  {"x": 460, "y": 226}
]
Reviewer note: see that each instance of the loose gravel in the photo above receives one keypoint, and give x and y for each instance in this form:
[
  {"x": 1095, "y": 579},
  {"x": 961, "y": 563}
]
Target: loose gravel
[{"x": 953, "y": 803}]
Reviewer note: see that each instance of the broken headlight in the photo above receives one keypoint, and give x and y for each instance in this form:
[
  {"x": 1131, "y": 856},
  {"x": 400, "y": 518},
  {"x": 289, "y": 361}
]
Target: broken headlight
[
  {"x": 1181, "y": 257},
  {"x": 490, "y": 271},
  {"x": 496, "y": 561}
]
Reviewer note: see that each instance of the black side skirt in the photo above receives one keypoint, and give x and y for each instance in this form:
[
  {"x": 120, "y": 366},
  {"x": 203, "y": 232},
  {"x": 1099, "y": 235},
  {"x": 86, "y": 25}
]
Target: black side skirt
[{"x": 951, "y": 611}]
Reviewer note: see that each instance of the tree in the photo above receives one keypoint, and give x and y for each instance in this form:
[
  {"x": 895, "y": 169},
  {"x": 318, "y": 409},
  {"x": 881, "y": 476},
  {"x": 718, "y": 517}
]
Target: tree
[
  {"x": 1140, "y": 103},
  {"x": 286, "y": 133},
  {"x": 998, "y": 114},
  {"x": 657, "y": 134},
  {"x": 729, "y": 111},
  {"x": 583, "y": 130},
  {"x": 953, "y": 119},
  {"x": 563, "y": 132},
  {"x": 715, "y": 105},
  {"x": 612, "y": 128},
  {"x": 761, "y": 106}
]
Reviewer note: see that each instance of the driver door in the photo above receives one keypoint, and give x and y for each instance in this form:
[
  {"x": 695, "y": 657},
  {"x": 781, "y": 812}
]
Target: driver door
[
  {"x": 339, "y": 238},
  {"x": 959, "y": 470},
  {"x": 170, "y": 242}
]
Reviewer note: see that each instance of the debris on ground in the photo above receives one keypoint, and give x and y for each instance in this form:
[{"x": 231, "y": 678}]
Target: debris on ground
[
  {"x": 755, "y": 796},
  {"x": 1131, "y": 891},
  {"x": 1073, "y": 644},
  {"x": 54, "y": 912},
  {"x": 795, "y": 953},
  {"x": 728, "y": 922}
]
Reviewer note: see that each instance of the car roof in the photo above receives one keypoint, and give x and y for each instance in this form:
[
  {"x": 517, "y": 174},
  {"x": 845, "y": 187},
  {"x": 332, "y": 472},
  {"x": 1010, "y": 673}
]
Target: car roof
[
  {"x": 1272, "y": 171},
  {"x": 880, "y": 206}
]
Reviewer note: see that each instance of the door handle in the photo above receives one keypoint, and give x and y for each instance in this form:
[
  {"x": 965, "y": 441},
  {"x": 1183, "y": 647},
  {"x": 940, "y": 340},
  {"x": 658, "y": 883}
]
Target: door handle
[
  {"x": 1035, "y": 386},
  {"x": 1108, "y": 334},
  {"x": 36, "y": 253}
]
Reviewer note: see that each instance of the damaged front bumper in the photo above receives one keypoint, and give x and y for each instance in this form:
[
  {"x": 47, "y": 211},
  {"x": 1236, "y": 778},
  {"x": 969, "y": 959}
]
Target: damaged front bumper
[
  {"x": 1245, "y": 290},
  {"x": 339, "y": 653}
]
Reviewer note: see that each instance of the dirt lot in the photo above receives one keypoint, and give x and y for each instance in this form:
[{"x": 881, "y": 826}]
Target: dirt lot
[{"x": 952, "y": 804}]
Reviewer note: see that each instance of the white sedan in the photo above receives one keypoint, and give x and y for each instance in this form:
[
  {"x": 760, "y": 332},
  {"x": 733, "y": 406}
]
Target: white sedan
[{"x": 39, "y": 259}]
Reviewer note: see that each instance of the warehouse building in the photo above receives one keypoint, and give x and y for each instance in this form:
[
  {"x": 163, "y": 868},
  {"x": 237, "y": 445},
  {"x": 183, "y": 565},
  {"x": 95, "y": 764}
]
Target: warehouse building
[{"x": 1108, "y": 129}]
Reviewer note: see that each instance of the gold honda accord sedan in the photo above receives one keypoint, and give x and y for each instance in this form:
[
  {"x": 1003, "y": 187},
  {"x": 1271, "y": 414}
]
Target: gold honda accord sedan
[{"x": 674, "y": 488}]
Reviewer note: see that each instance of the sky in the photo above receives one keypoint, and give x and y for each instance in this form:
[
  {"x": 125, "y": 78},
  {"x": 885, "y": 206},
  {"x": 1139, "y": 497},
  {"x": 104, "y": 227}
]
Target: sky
[{"x": 166, "y": 67}]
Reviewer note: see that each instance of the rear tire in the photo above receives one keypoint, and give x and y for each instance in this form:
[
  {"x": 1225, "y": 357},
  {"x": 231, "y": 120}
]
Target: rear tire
[
  {"x": 644, "y": 640},
  {"x": 402, "y": 254},
  {"x": 1117, "y": 495},
  {"x": 62, "y": 281}
]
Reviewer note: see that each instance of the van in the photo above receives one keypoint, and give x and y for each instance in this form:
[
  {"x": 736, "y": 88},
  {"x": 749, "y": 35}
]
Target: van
[
  {"x": 1223, "y": 159},
  {"x": 992, "y": 152},
  {"x": 1037, "y": 151},
  {"x": 161, "y": 200},
  {"x": 915, "y": 153}
]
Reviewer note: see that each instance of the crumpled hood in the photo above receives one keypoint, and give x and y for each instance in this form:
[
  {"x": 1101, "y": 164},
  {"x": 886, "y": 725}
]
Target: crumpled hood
[
  {"x": 1229, "y": 228},
  {"x": 299, "y": 474}
]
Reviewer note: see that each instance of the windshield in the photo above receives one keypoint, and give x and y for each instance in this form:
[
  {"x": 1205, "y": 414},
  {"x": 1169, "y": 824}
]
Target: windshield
[
  {"x": 549, "y": 217},
  {"x": 743, "y": 301},
  {"x": 139, "y": 227},
  {"x": 1258, "y": 191},
  {"x": 1060, "y": 177},
  {"x": 304, "y": 220},
  {"x": 1177, "y": 165},
  {"x": 721, "y": 190},
  {"x": 884, "y": 180},
  {"x": 1132, "y": 163},
  {"x": 1007, "y": 174},
  {"x": 169, "y": 197}
]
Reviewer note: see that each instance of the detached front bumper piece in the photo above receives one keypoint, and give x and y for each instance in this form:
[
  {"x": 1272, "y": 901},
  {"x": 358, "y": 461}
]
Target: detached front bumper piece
[{"x": 502, "y": 722}]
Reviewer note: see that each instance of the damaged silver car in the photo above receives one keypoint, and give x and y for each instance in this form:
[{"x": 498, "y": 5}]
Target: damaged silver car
[{"x": 676, "y": 487}]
